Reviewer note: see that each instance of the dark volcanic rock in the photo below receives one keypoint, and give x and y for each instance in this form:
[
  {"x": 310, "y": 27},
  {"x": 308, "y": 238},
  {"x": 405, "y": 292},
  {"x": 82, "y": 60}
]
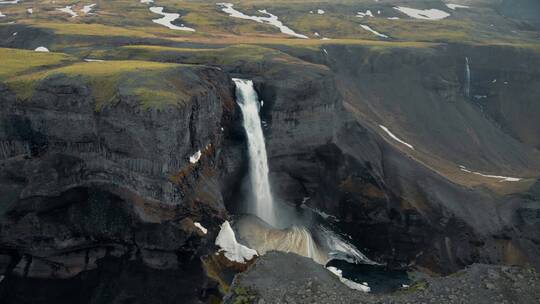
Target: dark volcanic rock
[
  {"x": 403, "y": 206},
  {"x": 288, "y": 278},
  {"x": 80, "y": 183}
]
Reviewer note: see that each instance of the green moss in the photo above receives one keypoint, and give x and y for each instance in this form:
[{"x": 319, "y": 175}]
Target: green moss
[
  {"x": 243, "y": 296},
  {"x": 15, "y": 61},
  {"x": 93, "y": 29},
  {"x": 146, "y": 81},
  {"x": 220, "y": 56},
  {"x": 417, "y": 286}
]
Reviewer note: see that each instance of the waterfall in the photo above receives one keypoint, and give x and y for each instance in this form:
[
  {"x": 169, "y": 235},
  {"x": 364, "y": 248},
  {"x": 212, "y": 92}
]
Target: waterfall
[
  {"x": 260, "y": 231},
  {"x": 467, "y": 78},
  {"x": 247, "y": 99}
]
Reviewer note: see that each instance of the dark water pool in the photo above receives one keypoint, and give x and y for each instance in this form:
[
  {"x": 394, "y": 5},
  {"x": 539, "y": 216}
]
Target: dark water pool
[{"x": 379, "y": 278}]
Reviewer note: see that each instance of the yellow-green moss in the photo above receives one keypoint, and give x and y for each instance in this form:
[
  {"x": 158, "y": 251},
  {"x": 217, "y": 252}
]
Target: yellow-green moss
[
  {"x": 16, "y": 61},
  {"x": 104, "y": 79}
]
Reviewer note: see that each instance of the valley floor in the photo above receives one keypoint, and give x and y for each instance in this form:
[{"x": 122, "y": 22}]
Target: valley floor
[{"x": 287, "y": 278}]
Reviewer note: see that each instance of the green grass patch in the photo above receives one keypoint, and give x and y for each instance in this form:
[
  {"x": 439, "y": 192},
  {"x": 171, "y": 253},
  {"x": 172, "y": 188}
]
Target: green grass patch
[
  {"x": 151, "y": 83},
  {"x": 16, "y": 61},
  {"x": 93, "y": 29}
]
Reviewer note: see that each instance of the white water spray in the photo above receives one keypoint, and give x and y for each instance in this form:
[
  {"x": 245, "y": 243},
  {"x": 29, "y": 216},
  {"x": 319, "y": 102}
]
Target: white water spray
[
  {"x": 258, "y": 162},
  {"x": 467, "y": 78}
]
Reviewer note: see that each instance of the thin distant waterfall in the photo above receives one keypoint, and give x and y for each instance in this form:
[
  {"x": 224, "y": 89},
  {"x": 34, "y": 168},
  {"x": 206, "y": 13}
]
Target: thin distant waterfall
[
  {"x": 249, "y": 103},
  {"x": 467, "y": 78}
]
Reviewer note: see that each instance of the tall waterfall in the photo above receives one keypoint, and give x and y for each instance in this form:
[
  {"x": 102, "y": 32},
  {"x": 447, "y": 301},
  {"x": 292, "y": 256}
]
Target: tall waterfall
[
  {"x": 249, "y": 103},
  {"x": 467, "y": 78},
  {"x": 261, "y": 232}
]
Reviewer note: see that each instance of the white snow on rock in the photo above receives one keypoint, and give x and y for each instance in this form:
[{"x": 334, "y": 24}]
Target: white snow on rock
[
  {"x": 30, "y": 11},
  {"x": 501, "y": 178},
  {"x": 93, "y": 60},
  {"x": 233, "y": 250},
  {"x": 369, "y": 29},
  {"x": 88, "y": 8},
  {"x": 10, "y": 2},
  {"x": 270, "y": 19},
  {"x": 2, "y": 15},
  {"x": 42, "y": 49},
  {"x": 168, "y": 18},
  {"x": 147, "y": 1},
  {"x": 14, "y": 34},
  {"x": 195, "y": 157},
  {"x": 385, "y": 129},
  {"x": 393, "y": 18},
  {"x": 425, "y": 14},
  {"x": 68, "y": 10},
  {"x": 367, "y": 13},
  {"x": 320, "y": 12},
  {"x": 201, "y": 227},
  {"x": 351, "y": 284},
  {"x": 454, "y": 6}
]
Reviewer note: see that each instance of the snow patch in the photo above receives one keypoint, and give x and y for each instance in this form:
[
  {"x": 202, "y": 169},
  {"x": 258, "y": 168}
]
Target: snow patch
[
  {"x": 14, "y": 34},
  {"x": 320, "y": 12},
  {"x": 393, "y": 18},
  {"x": 271, "y": 19},
  {"x": 10, "y": 2},
  {"x": 367, "y": 13},
  {"x": 195, "y": 157},
  {"x": 349, "y": 283},
  {"x": 501, "y": 178},
  {"x": 93, "y": 60},
  {"x": 2, "y": 15},
  {"x": 477, "y": 97},
  {"x": 30, "y": 11},
  {"x": 425, "y": 14},
  {"x": 168, "y": 18},
  {"x": 88, "y": 8},
  {"x": 68, "y": 10},
  {"x": 233, "y": 250},
  {"x": 147, "y": 1},
  {"x": 454, "y": 6},
  {"x": 369, "y": 29},
  {"x": 42, "y": 49},
  {"x": 385, "y": 129},
  {"x": 201, "y": 227}
]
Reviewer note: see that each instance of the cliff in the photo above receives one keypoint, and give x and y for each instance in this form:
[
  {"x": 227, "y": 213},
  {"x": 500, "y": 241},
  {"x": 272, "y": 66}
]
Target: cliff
[{"x": 85, "y": 178}]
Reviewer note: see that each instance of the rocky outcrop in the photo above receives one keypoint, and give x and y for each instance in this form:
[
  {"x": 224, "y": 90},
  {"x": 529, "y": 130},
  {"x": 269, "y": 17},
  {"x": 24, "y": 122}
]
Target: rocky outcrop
[
  {"x": 81, "y": 183},
  {"x": 288, "y": 278},
  {"x": 406, "y": 206}
]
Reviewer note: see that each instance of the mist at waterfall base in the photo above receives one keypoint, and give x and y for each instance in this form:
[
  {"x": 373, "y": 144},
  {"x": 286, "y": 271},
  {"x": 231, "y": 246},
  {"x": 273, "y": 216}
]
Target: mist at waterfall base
[{"x": 265, "y": 223}]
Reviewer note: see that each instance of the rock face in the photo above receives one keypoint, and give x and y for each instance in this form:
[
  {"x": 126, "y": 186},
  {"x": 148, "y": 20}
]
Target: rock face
[
  {"x": 288, "y": 278},
  {"x": 402, "y": 205},
  {"x": 80, "y": 184}
]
